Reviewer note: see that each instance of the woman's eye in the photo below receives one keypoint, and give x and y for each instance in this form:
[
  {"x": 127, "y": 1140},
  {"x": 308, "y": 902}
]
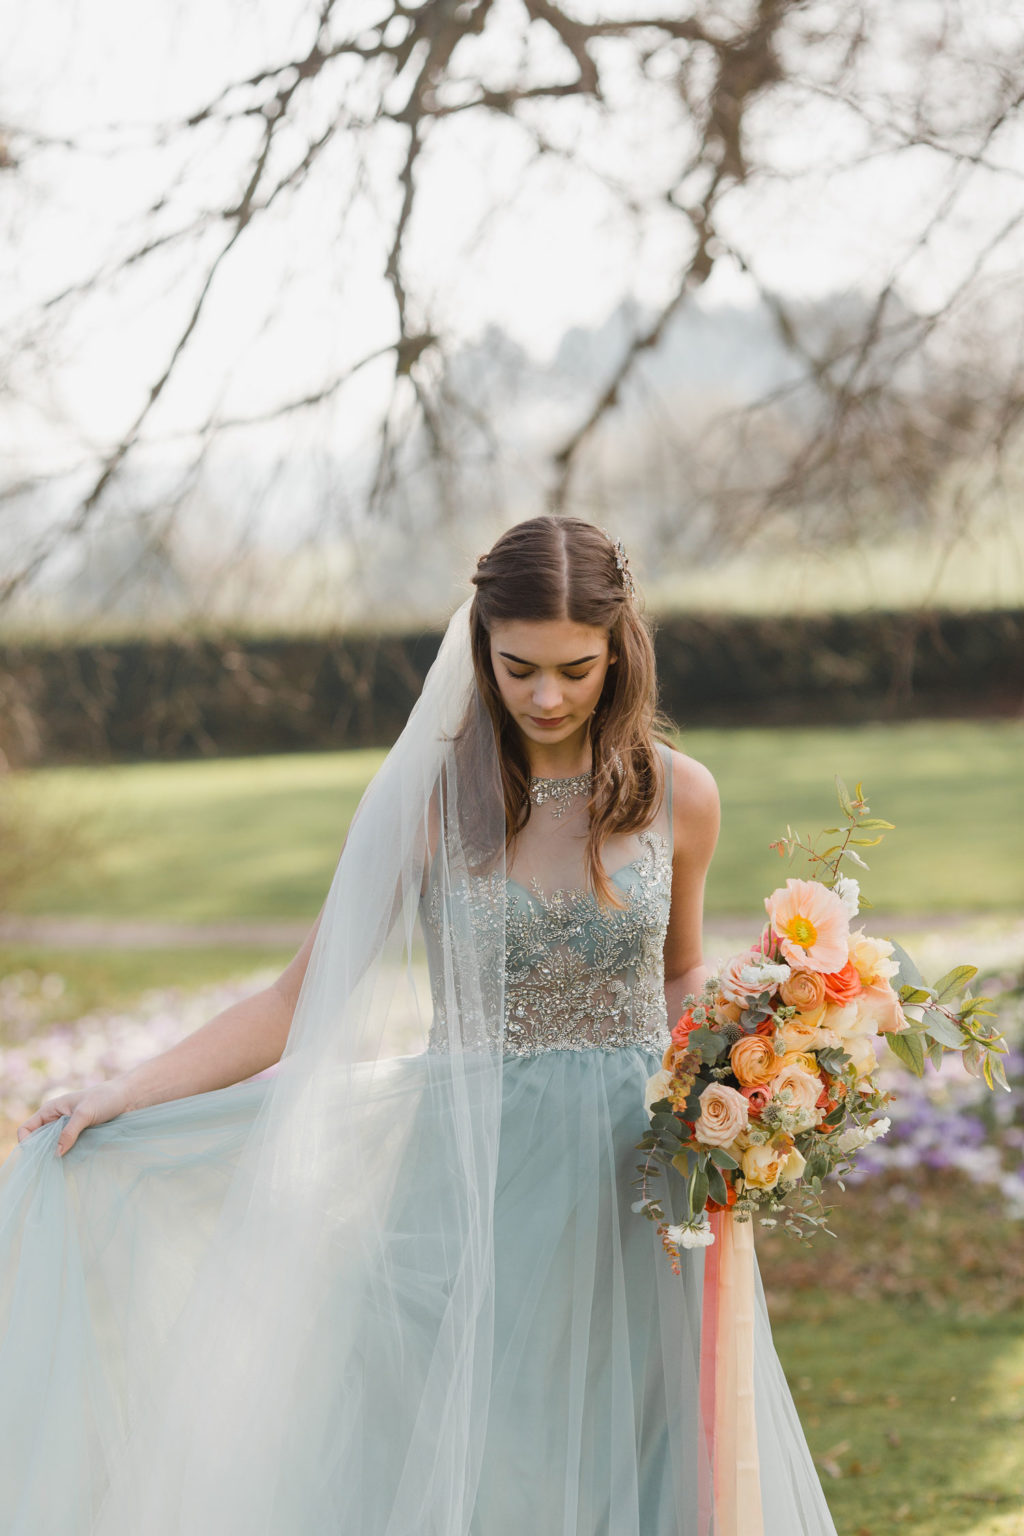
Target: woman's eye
[
  {"x": 575, "y": 677},
  {"x": 516, "y": 674}
]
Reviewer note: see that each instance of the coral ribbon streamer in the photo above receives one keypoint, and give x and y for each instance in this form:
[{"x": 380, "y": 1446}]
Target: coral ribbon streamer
[{"x": 727, "y": 1382}]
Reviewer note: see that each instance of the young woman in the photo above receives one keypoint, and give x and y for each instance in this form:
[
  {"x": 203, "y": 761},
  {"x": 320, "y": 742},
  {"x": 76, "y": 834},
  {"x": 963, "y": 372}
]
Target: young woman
[{"x": 397, "y": 1286}]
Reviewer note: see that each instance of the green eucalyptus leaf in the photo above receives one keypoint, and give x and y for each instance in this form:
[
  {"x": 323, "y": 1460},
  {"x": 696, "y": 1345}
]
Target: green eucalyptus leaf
[
  {"x": 953, "y": 982},
  {"x": 909, "y": 1047},
  {"x": 908, "y": 974},
  {"x": 716, "y": 1185},
  {"x": 723, "y": 1159},
  {"x": 941, "y": 1028}
]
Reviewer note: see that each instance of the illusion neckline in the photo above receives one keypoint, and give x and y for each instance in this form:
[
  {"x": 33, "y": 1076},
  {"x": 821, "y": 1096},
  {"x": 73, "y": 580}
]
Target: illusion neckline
[{"x": 560, "y": 793}]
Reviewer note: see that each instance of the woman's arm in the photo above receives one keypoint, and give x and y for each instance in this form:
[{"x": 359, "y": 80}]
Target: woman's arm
[
  {"x": 695, "y": 823},
  {"x": 237, "y": 1043}
]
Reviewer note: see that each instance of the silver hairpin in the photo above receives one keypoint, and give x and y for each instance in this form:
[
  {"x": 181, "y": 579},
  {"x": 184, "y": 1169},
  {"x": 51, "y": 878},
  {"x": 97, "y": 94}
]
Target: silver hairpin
[{"x": 622, "y": 561}]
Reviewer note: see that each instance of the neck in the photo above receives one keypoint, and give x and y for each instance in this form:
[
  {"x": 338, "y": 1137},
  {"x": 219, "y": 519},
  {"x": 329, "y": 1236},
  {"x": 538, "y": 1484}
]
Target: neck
[{"x": 562, "y": 760}]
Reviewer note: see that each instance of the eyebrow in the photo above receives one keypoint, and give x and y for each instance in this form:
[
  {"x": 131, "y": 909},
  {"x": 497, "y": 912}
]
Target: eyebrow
[{"x": 519, "y": 660}]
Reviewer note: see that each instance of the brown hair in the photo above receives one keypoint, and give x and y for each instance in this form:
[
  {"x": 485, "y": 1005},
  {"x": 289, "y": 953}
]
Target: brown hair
[{"x": 565, "y": 568}]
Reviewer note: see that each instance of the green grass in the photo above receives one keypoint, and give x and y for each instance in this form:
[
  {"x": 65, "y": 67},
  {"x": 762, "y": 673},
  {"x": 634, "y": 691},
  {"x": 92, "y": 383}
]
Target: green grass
[
  {"x": 918, "y": 1425},
  {"x": 259, "y": 837},
  {"x": 114, "y": 978}
]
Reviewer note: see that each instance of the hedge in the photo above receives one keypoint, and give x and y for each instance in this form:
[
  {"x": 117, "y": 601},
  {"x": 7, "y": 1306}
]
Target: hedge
[{"x": 164, "y": 699}]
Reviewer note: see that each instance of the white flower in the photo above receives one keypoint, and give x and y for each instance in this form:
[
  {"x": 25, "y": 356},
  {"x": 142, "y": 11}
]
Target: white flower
[
  {"x": 848, "y": 891},
  {"x": 697, "y": 1234},
  {"x": 764, "y": 976},
  {"x": 657, "y": 1088},
  {"x": 861, "y": 1136}
]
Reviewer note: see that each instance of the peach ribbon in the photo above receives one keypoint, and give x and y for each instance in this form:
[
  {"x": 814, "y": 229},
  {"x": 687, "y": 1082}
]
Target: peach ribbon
[{"x": 727, "y": 1382}]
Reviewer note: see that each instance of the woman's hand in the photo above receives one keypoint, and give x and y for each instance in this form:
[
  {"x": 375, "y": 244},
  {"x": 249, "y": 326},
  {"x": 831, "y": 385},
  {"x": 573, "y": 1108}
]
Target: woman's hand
[{"x": 89, "y": 1106}]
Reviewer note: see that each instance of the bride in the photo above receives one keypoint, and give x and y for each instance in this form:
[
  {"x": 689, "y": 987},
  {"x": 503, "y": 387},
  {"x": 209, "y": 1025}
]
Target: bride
[{"x": 394, "y": 1286}]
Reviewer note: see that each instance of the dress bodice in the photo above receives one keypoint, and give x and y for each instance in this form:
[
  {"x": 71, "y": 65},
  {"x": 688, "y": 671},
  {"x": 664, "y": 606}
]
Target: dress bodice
[{"x": 578, "y": 973}]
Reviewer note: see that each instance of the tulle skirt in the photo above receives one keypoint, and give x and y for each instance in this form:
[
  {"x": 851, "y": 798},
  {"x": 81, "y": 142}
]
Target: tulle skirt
[{"x": 591, "y": 1381}]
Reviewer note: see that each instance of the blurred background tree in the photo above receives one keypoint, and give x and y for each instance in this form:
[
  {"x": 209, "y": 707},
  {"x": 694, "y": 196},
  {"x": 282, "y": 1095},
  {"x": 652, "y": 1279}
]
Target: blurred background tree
[{"x": 291, "y": 289}]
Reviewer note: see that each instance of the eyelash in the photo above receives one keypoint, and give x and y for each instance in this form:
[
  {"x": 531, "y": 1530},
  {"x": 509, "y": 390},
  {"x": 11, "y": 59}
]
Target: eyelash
[{"x": 572, "y": 677}]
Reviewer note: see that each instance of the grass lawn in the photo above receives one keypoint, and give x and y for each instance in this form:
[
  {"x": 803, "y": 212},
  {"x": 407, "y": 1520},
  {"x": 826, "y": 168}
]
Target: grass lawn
[
  {"x": 903, "y": 1342},
  {"x": 114, "y": 978},
  {"x": 258, "y": 837}
]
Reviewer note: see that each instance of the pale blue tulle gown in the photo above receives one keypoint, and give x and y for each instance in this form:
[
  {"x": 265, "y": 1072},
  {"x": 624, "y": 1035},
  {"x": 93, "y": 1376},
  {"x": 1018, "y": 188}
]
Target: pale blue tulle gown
[{"x": 592, "y": 1422}]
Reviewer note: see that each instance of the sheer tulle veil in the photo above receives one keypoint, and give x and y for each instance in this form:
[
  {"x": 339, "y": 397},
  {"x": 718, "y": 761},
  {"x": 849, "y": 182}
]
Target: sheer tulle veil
[{"x": 225, "y": 1374}]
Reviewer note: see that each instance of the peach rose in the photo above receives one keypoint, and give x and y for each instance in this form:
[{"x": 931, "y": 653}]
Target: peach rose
[
  {"x": 762, "y": 1165},
  {"x": 804, "y": 990},
  {"x": 811, "y": 925},
  {"x": 801, "y": 1031},
  {"x": 730, "y": 983},
  {"x": 754, "y": 1061},
  {"x": 872, "y": 958},
  {"x": 879, "y": 1006},
  {"x": 723, "y": 1115},
  {"x": 727, "y": 1013},
  {"x": 804, "y": 1087},
  {"x": 844, "y": 985}
]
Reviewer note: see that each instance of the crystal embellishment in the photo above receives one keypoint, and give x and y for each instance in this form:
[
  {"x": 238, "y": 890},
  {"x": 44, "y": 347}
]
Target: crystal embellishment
[{"x": 560, "y": 793}]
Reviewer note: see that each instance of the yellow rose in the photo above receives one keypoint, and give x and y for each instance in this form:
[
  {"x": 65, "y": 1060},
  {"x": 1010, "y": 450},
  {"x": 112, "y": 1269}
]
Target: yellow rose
[
  {"x": 763, "y": 1164},
  {"x": 793, "y": 1167},
  {"x": 862, "y": 1053},
  {"x": 802, "y": 1059},
  {"x": 754, "y": 1061},
  {"x": 872, "y": 958}
]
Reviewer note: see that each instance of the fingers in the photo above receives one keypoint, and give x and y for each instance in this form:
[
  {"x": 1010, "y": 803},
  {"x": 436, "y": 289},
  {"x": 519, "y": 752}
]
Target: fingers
[
  {"x": 76, "y": 1123},
  {"x": 41, "y": 1117}
]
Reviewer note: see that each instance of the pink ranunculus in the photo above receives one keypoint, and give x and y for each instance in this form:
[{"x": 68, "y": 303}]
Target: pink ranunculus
[
  {"x": 811, "y": 925},
  {"x": 757, "y": 1096},
  {"x": 880, "y": 1006}
]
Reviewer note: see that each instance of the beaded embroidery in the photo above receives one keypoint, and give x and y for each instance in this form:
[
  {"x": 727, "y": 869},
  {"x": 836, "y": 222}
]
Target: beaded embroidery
[
  {"x": 560, "y": 792},
  {"x": 578, "y": 975}
]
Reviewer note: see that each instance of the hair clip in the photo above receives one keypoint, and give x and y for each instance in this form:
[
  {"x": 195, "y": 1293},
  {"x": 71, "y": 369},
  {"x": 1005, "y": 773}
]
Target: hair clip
[{"x": 622, "y": 562}]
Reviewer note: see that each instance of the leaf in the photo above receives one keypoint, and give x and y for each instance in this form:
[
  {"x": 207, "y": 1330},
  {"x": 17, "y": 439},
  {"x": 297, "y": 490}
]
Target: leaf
[
  {"x": 936, "y": 1051},
  {"x": 708, "y": 1042},
  {"x": 698, "y": 1191},
  {"x": 716, "y": 1185},
  {"x": 909, "y": 1047},
  {"x": 833, "y": 1058},
  {"x": 908, "y": 973},
  {"x": 723, "y": 1159},
  {"x": 866, "y": 842},
  {"x": 875, "y": 822},
  {"x": 844, "y": 797},
  {"x": 912, "y": 996},
  {"x": 939, "y": 1027},
  {"x": 953, "y": 982},
  {"x": 681, "y": 1163}
]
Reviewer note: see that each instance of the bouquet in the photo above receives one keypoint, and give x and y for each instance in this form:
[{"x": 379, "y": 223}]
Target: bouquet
[{"x": 768, "y": 1085}]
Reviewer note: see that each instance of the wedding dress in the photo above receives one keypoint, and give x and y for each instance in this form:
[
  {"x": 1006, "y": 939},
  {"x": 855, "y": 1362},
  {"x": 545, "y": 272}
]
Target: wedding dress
[{"x": 393, "y": 1292}]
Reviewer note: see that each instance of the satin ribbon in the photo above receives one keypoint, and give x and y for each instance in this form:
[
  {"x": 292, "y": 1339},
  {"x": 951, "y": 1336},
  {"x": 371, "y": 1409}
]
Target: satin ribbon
[{"x": 731, "y": 1485}]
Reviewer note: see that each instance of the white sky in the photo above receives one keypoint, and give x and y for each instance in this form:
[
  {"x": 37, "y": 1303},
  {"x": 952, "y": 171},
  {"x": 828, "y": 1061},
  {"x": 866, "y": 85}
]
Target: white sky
[{"x": 556, "y": 254}]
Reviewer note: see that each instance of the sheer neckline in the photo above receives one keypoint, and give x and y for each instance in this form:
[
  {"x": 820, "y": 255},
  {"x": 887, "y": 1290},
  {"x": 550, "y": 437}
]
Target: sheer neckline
[{"x": 560, "y": 792}]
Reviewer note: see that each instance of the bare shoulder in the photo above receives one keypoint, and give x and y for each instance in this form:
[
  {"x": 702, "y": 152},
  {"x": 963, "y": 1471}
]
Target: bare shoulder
[{"x": 695, "y": 808}]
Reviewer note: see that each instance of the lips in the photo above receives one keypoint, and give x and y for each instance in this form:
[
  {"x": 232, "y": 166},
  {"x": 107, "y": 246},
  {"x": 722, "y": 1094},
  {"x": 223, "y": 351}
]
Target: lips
[{"x": 548, "y": 724}]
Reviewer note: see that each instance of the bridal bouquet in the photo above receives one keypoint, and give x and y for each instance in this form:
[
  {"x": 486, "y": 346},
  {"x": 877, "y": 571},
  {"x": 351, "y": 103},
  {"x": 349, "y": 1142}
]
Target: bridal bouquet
[{"x": 768, "y": 1086}]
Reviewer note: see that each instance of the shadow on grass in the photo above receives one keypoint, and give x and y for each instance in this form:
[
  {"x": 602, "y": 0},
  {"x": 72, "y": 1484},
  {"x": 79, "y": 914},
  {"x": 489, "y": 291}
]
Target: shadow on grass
[{"x": 904, "y": 1344}]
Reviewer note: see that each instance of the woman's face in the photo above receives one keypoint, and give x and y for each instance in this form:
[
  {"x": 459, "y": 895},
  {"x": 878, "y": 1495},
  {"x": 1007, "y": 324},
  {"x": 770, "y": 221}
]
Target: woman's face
[{"x": 550, "y": 674}]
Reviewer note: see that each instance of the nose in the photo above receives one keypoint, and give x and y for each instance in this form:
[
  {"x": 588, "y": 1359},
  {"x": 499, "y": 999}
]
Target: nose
[{"x": 547, "y": 696}]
